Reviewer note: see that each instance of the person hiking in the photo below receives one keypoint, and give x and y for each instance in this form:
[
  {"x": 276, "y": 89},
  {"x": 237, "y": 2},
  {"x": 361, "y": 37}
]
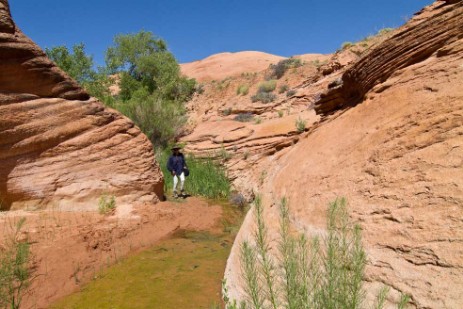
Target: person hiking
[{"x": 178, "y": 168}]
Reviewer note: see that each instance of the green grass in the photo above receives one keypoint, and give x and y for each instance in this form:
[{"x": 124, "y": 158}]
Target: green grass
[{"x": 207, "y": 178}]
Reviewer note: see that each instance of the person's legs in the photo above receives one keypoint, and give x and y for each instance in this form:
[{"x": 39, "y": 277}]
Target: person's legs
[
  {"x": 182, "y": 182},
  {"x": 175, "y": 185}
]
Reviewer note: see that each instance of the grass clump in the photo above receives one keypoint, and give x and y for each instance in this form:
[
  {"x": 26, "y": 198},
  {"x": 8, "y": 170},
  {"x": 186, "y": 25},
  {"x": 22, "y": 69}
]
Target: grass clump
[
  {"x": 244, "y": 117},
  {"x": 385, "y": 31},
  {"x": 223, "y": 84},
  {"x": 263, "y": 97},
  {"x": 278, "y": 70},
  {"x": 207, "y": 178},
  {"x": 107, "y": 204},
  {"x": 264, "y": 93},
  {"x": 300, "y": 125},
  {"x": 199, "y": 88},
  {"x": 283, "y": 88},
  {"x": 267, "y": 86},
  {"x": 346, "y": 45},
  {"x": 242, "y": 90},
  {"x": 308, "y": 273},
  {"x": 290, "y": 93},
  {"x": 14, "y": 269},
  {"x": 227, "y": 111}
]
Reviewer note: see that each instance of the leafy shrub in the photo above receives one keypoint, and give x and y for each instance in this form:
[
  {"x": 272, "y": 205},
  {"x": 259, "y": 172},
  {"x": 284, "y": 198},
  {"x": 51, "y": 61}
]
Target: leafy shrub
[
  {"x": 263, "y": 97},
  {"x": 267, "y": 86},
  {"x": 258, "y": 120},
  {"x": 244, "y": 117},
  {"x": 279, "y": 69},
  {"x": 314, "y": 273},
  {"x": 14, "y": 269},
  {"x": 290, "y": 93},
  {"x": 242, "y": 90},
  {"x": 207, "y": 178},
  {"x": 300, "y": 125},
  {"x": 280, "y": 113},
  {"x": 161, "y": 120},
  {"x": 106, "y": 204},
  {"x": 283, "y": 88}
]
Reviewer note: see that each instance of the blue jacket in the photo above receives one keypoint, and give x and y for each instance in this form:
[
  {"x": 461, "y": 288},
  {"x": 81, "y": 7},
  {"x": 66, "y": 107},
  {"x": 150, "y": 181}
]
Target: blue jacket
[{"x": 176, "y": 163}]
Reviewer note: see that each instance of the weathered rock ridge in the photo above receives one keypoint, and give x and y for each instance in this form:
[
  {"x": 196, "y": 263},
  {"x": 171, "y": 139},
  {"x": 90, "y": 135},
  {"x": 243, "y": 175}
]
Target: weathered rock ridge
[
  {"x": 58, "y": 146},
  {"x": 393, "y": 55}
]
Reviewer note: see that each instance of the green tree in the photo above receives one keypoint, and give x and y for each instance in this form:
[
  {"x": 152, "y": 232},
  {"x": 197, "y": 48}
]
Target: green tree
[
  {"x": 80, "y": 66},
  {"x": 76, "y": 63},
  {"x": 143, "y": 61},
  {"x": 152, "y": 90}
]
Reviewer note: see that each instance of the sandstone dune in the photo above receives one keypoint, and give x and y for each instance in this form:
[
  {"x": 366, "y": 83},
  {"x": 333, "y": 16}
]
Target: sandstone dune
[
  {"x": 59, "y": 147},
  {"x": 220, "y": 66}
]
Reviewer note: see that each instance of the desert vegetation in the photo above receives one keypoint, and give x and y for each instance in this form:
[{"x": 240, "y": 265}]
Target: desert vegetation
[
  {"x": 207, "y": 178},
  {"x": 322, "y": 272},
  {"x": 14, "y": 269},
  {"x": 300, "y": 125},
  {"x": 264, "y": 92},
  {"x": 106, "y": 204},
  {"x": 244, "y": 117},
  {"x": 152, "y": 94},
  {"x": 242, "y": 90},
  {"x": 152, "y": 91},
  {"x": 278, "y": 70}
]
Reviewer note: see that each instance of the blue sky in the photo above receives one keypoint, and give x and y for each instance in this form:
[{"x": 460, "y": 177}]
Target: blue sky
[{"x": 195, "y": 29}]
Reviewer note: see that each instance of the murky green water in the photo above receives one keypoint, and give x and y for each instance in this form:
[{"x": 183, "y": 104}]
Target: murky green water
[{"x": 181, "y": 273}]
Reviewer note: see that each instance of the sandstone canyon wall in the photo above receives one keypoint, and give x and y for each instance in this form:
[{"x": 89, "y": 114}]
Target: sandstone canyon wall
[
  {"x": 58, "y": 146},
  {"x": 391, "y": 141}
]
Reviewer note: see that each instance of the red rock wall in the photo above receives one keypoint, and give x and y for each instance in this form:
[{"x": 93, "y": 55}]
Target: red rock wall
[{"x": 58, "y": 146}]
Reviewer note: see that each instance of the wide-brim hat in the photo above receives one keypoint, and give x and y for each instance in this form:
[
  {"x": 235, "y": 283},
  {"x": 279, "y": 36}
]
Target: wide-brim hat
[{"x": 176, "y": 147}]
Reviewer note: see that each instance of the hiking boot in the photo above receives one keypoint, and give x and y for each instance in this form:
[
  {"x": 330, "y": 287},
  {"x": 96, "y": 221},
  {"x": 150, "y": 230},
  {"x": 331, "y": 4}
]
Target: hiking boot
[
  {"x": 182, "y": 193},
  {"x": 175, "y": 195}
]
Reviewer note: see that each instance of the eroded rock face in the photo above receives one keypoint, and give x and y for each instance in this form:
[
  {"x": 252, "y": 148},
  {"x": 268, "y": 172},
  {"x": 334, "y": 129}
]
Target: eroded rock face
[
  {"x": 58, "y": 146},
  {"x": 396, "y": 157},
  {"x": 392, "y": 55}
]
